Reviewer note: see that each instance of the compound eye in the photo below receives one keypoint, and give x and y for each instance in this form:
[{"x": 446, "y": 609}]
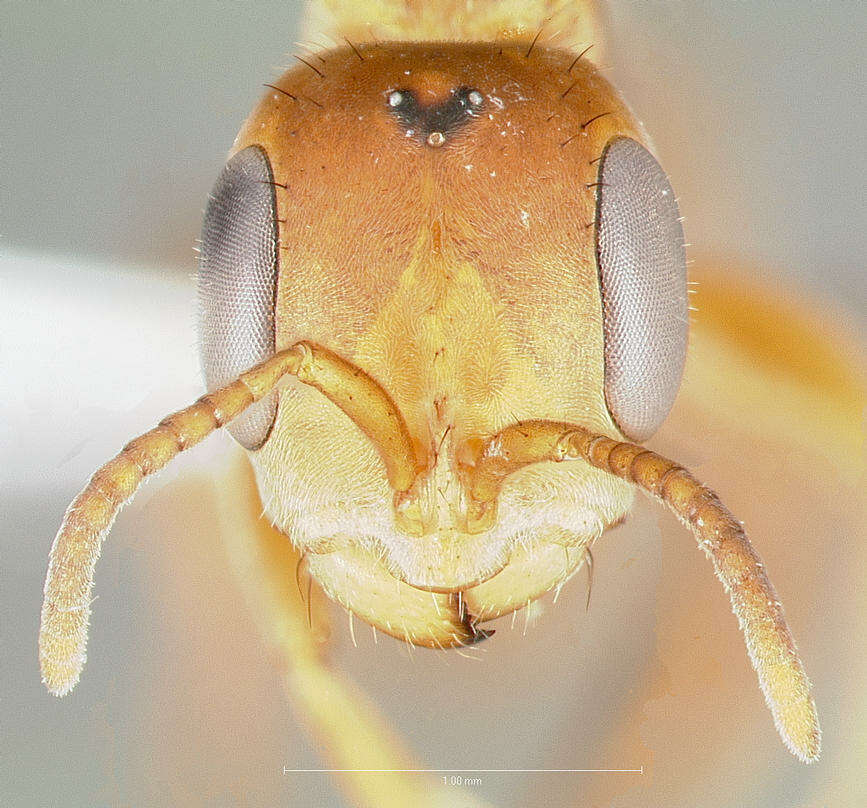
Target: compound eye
[
  {"x": 642, "y": 273},
  {"x": 237, "y": 283}
]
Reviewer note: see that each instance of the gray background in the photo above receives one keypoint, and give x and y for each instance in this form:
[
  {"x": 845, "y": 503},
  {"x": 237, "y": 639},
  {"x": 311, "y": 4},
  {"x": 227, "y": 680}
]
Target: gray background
[
  {"x": 116, "y": 118},
  {"x": 114, "y": 121}
]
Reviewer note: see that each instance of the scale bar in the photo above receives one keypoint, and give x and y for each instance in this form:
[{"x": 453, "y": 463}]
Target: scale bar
[{"x": 463, "y": 771}]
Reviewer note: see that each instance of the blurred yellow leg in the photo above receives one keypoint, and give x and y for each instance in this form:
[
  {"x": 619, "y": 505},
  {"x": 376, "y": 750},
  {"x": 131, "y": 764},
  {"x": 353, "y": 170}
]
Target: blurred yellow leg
[{"x": 342, "y": 719}]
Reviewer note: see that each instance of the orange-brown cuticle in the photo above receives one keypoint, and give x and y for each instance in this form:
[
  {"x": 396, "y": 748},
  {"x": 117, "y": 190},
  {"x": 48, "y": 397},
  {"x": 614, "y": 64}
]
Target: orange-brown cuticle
[
  {"x": 701, "y": 505},
  {"x": 676, "y": 487},
  {"x": 648, "y": 469},
  {"x": 600, "y": 450},
  {"x": 621, "y": 458}
]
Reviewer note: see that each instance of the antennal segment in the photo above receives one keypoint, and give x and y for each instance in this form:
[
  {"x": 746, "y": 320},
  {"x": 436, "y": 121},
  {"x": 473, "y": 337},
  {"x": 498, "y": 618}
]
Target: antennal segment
[
  {"x": 69, "y": 582},
  {"x": 771, "y": 647}
]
